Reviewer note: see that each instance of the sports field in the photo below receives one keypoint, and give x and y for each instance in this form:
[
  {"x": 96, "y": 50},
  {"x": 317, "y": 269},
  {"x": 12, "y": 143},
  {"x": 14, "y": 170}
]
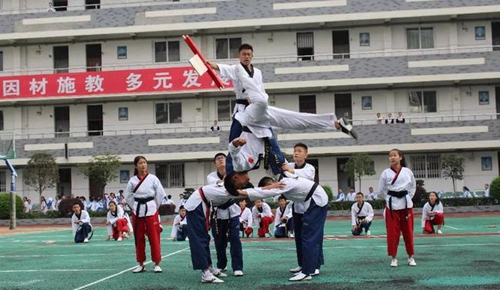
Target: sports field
[{"x": 467, "y": 256}]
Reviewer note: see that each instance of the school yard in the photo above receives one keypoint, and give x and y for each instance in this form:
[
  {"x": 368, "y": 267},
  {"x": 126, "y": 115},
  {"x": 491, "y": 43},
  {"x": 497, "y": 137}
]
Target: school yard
[{"x": 467, "y": 256}]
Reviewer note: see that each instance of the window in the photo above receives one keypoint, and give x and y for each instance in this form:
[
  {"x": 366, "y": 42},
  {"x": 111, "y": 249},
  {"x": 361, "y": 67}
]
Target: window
[
  {"x": 92, "y": 4},
  {"x": 1, "y": 60},
  {"x": 420, "y": 38},
  {"x": 227, "y": 47},
  {"x": 3, "y": 181},
  {"x": 307, "y": 104},
  {"x": 1, "y": 120},
  {"x": 170, "y": 175},
  {"x": 305, "y": 45},
  {"x": 167, "y": 51},
  {"x": 60, "y": 5},
  {"x": 61, "y": 59},
  {"x": 423, "y": 101},
  {"x": 426, "y": 165},
  {"x": 168, "y": 113},
  {"x": 224, "y": 109}
]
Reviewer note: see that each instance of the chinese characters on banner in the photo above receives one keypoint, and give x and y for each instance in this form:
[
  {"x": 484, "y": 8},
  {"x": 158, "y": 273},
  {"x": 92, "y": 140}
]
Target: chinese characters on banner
[{"x": 141, "y": 81}]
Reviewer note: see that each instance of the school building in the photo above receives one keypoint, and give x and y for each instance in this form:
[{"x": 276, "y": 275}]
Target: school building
[{"x": 93, "y": 77}]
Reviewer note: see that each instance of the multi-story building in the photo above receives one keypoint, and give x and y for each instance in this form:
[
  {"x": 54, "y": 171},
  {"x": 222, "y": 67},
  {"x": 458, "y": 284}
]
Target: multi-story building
[{"x": 112, "y": 76}]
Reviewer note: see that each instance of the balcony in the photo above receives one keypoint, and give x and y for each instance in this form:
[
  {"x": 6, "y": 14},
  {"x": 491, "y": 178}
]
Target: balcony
[{"x": 470, "y": 132}]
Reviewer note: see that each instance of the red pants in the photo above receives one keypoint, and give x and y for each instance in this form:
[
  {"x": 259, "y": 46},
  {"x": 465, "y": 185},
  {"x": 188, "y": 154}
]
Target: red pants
[
  {"x": 264, "y": 226},
  {"x": 437, "y": 220},
  {"x": 395, "y": 223},
  {"x": 149, "y": 226},
  {"x": 121, "y": 226}
]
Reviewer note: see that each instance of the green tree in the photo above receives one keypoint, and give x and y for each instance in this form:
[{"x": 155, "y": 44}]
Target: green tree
[
  {"x": 41, "y": 172},
  {"x": 359, "y": 165},
  {"x": 102, "y": 170},
  {"x": 495, "y": 188},
  {"x": 453, "y": 167}
]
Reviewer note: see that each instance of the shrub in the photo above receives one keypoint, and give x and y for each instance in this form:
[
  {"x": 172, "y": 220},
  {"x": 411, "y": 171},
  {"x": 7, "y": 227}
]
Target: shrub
[
  {"x": 495, "y": 188},
  {"x": 420, "y": 194},
  {"x": 328, "y": 191},
  {"x": 66, "y": 206},
  {"x": 5, "y": 206},
  {"x": 167, "y": 209}
]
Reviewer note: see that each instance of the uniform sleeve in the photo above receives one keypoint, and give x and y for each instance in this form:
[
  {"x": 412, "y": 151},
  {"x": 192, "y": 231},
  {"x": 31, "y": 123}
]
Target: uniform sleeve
[
  {"x": 239, "y": 162},
  {"x": 129, "y": 195},
  {"x": 277, "y": 216},
  {"x": 267, "y": 210},
  {"x": 412, "y": 186},
  {"x": 85, "y": 217},
  {"x": 439, "y": 208},
  {"x": 250, "y": 219},
  {"x": 308, "y": 172},
  {"x": 370, "y": 215},
  {"x": 211, "y": 179},
  {"x": 73, "y": 225},
  {"x": 382, "y": 185},
  {"x": 173, "y": 234},
  {"x": 227, "y": 71},
  {"x": 288, "y": 211},
  {"x": 425, "y": 216},
  {"x": 353, "y": 216},
  {"x": 255, "y": 216},
  {"x": 160, "y": 192}
]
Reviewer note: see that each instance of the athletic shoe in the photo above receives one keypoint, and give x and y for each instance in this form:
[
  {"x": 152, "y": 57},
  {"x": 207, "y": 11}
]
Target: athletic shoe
[
  {"x": 291, "y": 235},
  {"x": 300, "y": 277},
  {"x": 224, "y": 270},
  {"x": 394, "y": 263},
  {"x": 411, "y": 262},
  {"x": 139, "y": 269},
  {"x": 296, "y": 269},
  {"x": 157, "y": 269},
  {"x": 119, "y": 239},
  {"x": 346, "y": 128},
  {"x": 368, "y": 233},
  {"x": 238, "y": 273},
  {"x": 440, "y": 232},
  {"x": 217, "y": 273},
  {"x": 267, "y": 235},
  {"x": 316, "y": 272},
  {"x": 209, "y": 278},
  {"x": 86, "y": 240},
  {"x": 108, "y": 238}
]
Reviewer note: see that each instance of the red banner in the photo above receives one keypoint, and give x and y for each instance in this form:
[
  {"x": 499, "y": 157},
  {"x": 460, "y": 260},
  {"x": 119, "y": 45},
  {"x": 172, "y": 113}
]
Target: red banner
[{"x": 142, "y": 81}]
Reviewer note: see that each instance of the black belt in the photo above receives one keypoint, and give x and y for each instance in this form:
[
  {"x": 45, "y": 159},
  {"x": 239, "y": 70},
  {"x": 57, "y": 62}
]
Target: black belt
[
  {"x": 242, "y": 101},
  {"x": 361, "y": 217},
  {"x": 313, "y": 189},
  {"x": 245, "y": 129},
  {"x": 398, "y": 194}
]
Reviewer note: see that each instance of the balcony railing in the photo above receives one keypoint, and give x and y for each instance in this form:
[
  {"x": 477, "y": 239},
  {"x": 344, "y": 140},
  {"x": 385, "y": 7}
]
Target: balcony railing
[
  {"x": 205, "y": 127},
  {"x": 124, "y": 4},
  {"x": 267, "y": 59}
]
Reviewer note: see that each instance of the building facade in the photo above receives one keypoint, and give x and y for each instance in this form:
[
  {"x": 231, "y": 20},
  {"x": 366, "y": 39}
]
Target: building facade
[{"x": 100, "y": 77}]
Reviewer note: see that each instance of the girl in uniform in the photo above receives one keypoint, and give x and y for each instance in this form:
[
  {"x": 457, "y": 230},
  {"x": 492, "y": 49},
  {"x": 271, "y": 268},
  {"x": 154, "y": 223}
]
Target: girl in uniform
[
  {"x": 432, "y": 215},
  {"x": 397, "y": 184},
  {"x": 116, "y": 222},
  {"x": 144, "y": 196}
]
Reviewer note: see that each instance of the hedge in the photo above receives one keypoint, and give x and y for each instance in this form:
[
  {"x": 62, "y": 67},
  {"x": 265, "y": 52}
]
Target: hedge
[
  {"x": 5, "y": 206},
  {"x": 495, "y": 188}
]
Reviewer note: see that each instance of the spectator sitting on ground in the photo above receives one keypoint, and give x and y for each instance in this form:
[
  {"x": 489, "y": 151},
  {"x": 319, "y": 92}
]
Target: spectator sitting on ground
[
  {"x": 361, "y": 216},
  {"x": 468, "y": 193},
  {"x": 262, "y": 218},
  {"x": 283, "y": 221},
  {"x": 340, "y": 196},
  {"x": 43, "y": 205},
  {"x": 372, "y": 195},
  {"x": 379, "y": 118},
  {"x": 245, "y": 218},
  {"x": 26, "y": 205},
  {"x": 179, "y": 226},
  {"x": 351, "y": 196},
  {"x": 389, "y": 119},
  {"x": 168, "y": 200},
  {"x": 80, "y": 223}
]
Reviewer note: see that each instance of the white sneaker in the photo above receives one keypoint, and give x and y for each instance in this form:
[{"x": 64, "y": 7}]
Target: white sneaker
[
  {"x": 267, "y": 235},
  {"x": 291, "y": 235},
  {"x": 217, "y": 272},
  {"x": 394, "y": 263},
  {"x": 440, "y": 232},
  {"x": 238, "y": 273},
  {"x": 368, "y": 233},
  {"x": 296, "y": 269},
  {"x": 139, "y": 269},
  {"x": 119, "y": 239},
  {"x": 86, "y": 240},
  {"x": 300, "y": 277},
  {"x": 346, "y": 128},
  {"x": 157, "y": 269},
  {"x": 210, "y": 279},
  {"x": 411, "y": 262},
  {"x": 316, "y": 272}
]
